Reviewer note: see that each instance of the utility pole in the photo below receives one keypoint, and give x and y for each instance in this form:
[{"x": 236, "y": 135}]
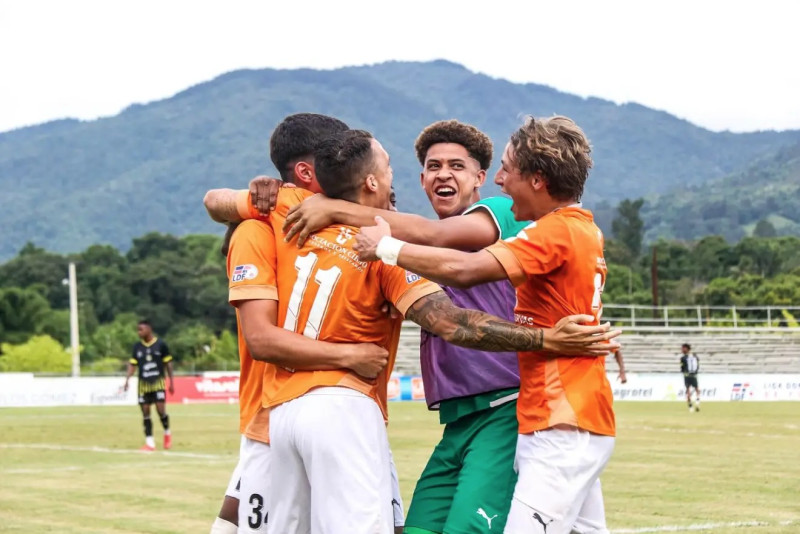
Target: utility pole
[
  {"x": 654, "y": 281},
  {"x": 73, "y": 321}
]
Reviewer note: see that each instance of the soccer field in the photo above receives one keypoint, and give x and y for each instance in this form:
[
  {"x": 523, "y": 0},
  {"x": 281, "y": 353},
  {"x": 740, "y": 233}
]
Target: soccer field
[{"x": 734, "y": 467}]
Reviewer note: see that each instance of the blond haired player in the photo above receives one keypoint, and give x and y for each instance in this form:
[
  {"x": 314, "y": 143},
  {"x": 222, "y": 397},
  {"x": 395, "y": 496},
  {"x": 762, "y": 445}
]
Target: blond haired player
[{"x": 566, "y": 420}]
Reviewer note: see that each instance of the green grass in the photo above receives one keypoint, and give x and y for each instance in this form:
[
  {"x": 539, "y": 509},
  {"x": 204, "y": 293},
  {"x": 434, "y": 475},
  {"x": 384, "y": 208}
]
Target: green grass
[{"x": 732, "y": 462}]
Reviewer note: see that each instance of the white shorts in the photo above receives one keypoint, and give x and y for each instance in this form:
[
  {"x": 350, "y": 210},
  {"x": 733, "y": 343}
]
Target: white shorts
[
  {"x": 330, "y": 453},
  {"x": 233, "y": 483},
  {"x": 558, "y": 489},
  {"x": 253, "y": 499},
  {"x": 397, "y": 498}
]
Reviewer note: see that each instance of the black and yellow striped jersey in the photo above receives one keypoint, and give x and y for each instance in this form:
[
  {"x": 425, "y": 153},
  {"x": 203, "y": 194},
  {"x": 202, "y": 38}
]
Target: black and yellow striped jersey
[{"x": 151, "y": 359}]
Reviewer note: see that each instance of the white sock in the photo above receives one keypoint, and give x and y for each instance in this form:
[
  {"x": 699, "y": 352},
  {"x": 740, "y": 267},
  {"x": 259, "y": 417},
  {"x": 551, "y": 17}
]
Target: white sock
[
  {"x": 167, "y": 432},
  {"x": 150, "y": 441},
  {"x": 221, "y": 526}
]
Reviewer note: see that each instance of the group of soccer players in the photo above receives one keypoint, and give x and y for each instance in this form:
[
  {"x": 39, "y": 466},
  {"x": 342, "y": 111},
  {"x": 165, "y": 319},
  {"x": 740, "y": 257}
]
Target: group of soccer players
[{"x": 519, "y": 383}]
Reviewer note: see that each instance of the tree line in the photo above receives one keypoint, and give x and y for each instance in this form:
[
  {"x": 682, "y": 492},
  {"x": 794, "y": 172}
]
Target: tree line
[{"x": 180, "y": 285}]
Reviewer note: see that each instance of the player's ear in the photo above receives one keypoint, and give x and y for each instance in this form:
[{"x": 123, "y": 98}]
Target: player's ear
[
  {"x": 538, "y": 182},
  {"x": 371, "y": 183},
  {"x": 480, "y": 178},
  {"x": 303, "y": 173}
]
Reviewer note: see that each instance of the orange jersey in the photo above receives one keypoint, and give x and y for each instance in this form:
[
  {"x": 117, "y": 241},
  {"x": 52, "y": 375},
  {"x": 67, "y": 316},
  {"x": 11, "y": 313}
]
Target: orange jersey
[
  {"x": 557, "y": 266},
  {"x": 251, "y": 276},
  {"x": 326, "y": 293}
]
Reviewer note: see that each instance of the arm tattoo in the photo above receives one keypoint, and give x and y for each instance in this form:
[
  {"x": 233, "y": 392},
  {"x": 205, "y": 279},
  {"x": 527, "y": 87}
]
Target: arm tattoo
[
  {"x": 227, "y": 210},
  {"x": 437, "y": 314}
]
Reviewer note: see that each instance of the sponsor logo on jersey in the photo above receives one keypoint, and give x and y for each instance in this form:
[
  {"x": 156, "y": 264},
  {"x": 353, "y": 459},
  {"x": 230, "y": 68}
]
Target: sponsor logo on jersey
[
  {"x": 244, "y": 272},
  {"x": 523, "y": 319},
  {"x": 411, "y": 277},
  {"x": 345, "y": 234}
]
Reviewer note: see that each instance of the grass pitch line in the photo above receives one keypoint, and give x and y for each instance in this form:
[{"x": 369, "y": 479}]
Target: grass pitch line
[
  {"x": 673, "y": 430},
  {"x": 52, "y": 447},
  {"x": 700, "y": 526}
]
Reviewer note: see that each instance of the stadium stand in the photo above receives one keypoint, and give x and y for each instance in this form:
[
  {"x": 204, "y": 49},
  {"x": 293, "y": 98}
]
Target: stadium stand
[{"x": 731, "y": 351}]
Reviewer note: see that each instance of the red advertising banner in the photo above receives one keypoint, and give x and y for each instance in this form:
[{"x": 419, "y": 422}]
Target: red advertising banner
[{"x": 221, "y": 388}]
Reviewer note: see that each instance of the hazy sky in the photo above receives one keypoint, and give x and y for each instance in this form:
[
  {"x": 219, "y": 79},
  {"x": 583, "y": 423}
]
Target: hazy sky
[{"x": 720, "y": 64}]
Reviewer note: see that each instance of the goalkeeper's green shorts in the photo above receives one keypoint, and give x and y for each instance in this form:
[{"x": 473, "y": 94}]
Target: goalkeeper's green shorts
[{"x": 469, "y": 480}]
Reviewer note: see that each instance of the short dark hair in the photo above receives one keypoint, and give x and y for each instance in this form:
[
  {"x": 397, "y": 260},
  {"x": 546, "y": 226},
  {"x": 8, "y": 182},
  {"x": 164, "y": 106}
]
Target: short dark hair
[
  {"x": 297, "y": 137},
  {"x": 477, "y": 143},
  {"x": 226, "y": 241},
  {"x": 342, "y": 161},
  {"x": 144, "y": 322},
  {"x": 686, "y": 346},
  {"x": 558, "y": 149}
]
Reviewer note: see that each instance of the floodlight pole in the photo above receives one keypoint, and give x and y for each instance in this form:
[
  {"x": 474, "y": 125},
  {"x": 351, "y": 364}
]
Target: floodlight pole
[{"x": 73, "y": 321}]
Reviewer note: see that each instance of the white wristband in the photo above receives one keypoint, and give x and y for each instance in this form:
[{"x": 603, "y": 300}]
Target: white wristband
[{"x": 388, "y": 249}]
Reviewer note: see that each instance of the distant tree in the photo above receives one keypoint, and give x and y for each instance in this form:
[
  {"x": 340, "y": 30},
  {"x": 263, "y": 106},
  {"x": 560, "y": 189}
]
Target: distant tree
[
  {"x": 627, "y": 225},
  {"x": 40, "y": 354},
  {"x": 711, "y": 258},
  {"x": 764, "y": 228},
  {"x": 23, "y": 312}
]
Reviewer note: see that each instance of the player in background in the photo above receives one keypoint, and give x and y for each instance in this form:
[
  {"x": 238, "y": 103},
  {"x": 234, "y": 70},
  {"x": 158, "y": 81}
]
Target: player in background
[
  {"x": 312, "y": 420},
  {"x": 690, "y": 366},
  {"x": 291, "y": 146},
  {"x": 469, "y": 479},
  {"x": 151, "y": 357},
  {"x": 621, "y": 374},
  {"x": 566, "y": 420}
]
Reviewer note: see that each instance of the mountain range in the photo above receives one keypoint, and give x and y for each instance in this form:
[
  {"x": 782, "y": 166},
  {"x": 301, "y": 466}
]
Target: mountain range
[{"x": 67, "y": 184}]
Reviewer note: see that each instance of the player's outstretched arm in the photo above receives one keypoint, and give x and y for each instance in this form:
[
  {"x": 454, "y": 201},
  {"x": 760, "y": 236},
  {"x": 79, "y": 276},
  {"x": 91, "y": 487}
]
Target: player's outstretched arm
[
  {"x": 222, "y": 205},
  {"x": 231, "y": 205},
  {"x": 437, "y": 314},
  {"x": 472, "y": 232},
  {"x": 450, "y": 267},
  {"x": 270, "y": 343}
]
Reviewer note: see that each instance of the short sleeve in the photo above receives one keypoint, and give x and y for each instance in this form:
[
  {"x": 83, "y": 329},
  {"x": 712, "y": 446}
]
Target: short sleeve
[
  {"x": 252, "y": 260},
  {"x": 537, "y": 249},
  {"x": 245, "y": 208},
  {"x": 499, "y": 209},
  {"x": 166, "y": 354},
  {"x": 403, "y": 288}
]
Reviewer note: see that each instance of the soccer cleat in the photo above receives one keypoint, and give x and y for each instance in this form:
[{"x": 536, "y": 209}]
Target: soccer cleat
[
  {"x": 147, "y": 448},
  {"x": 167, "y": 441}
]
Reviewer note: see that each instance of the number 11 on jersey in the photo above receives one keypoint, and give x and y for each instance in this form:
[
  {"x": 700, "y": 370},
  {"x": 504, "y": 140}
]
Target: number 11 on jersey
[{"x": 326, "y": 279}]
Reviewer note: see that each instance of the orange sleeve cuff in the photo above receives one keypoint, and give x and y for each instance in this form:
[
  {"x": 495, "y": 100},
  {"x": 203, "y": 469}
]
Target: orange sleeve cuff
[
  {"x": 509, "y": 261},
  {"x": 252, "y": 293},
  {"x": 414, "y": 294}
]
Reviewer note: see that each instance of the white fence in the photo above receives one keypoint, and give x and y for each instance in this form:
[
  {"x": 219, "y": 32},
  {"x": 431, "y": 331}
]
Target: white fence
[{"x": 702, "y": 317}]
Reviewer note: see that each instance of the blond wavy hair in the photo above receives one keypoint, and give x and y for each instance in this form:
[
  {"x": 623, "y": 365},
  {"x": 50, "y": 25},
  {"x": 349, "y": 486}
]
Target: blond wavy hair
[{"x": 557, "y": 148}]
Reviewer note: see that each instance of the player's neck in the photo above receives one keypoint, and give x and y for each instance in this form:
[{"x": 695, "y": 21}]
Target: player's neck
[
  {"x": 148, "y": 340},
  {"x": 552, "y": 204}
]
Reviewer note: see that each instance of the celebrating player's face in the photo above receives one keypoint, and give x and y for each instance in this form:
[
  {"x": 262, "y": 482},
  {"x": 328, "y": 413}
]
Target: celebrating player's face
[
  {"x": 515, "y": 185},
  {"x": 144, "y": 331},
  {"x": 450, "y": 178}
]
